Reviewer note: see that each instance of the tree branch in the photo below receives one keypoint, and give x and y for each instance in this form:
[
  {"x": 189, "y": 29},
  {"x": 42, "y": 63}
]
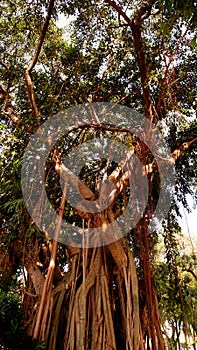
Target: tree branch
[
  {"x": 144, "y": 12},
  {"x": 9, "y": 109},
  {"x": 181, "y": 149},
  {"x": 119, "y": 10},
  {"x": 110, "y": 189},
  {"x": 75, "y": 182},
  {"x": 32, "y": 64},
  {"x": 137, "y": 36},
  {"x": 135, "y": 25},
  {"x": 167, "y": 75},
  {"x": 192, "y": 272}
]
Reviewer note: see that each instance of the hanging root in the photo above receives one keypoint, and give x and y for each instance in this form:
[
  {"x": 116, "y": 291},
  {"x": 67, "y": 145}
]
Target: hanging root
[{"x": 84, "y": 307}]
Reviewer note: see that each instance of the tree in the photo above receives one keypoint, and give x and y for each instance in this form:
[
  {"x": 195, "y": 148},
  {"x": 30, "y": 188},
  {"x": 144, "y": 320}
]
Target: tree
[
  {"x": 107, "y": 298},
  {"x": 175, "y": 280}
]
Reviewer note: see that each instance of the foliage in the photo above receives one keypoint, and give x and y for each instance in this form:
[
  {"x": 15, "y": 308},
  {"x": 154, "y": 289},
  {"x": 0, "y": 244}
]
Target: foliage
[
  {"x": 175, "y": 278},
  {"x": 12, "y": 332}
]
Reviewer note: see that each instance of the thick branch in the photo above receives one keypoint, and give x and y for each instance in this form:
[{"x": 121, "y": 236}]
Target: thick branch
[
  {"x": 135, "y": 25},
  {"x": 110, "y": 188},
  {"x": 145, "y": 11},
  {"x": 136, "y": 31},
  {"x": 34, "y": 60},
  {"x": 149, "y": 168},
  {"x": 75, "y": 182},
  {"x": 36, "y": 277}
]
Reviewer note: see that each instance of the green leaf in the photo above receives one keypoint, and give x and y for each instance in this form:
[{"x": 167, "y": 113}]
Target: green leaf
[
  {"x": 165, "y": 29},
  {"x": 193, "y": 43}
]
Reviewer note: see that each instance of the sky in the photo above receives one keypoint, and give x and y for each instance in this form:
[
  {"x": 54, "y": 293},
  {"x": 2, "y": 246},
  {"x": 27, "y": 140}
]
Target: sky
[{"x": 188, "y": 222}]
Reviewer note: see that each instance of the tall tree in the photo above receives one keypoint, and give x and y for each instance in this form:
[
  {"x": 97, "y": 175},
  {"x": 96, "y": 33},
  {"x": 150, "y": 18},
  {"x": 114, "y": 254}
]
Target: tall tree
[{"x": 141, "y": 55}]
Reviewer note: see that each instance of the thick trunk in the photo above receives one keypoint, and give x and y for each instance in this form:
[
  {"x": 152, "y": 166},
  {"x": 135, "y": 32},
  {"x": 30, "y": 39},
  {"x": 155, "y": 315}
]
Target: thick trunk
[
  {"x": 36, "y": 276},
  {"x": 95, "y": 295}
]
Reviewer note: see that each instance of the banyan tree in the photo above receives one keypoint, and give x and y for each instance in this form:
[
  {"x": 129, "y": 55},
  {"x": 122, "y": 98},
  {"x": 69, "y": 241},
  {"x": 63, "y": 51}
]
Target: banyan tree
[{"x": 94, "y": 124}]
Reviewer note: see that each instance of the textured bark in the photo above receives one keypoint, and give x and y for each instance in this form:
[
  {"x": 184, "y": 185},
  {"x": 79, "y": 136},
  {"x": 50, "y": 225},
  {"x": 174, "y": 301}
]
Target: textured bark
[{"x": 37, "y": 278}]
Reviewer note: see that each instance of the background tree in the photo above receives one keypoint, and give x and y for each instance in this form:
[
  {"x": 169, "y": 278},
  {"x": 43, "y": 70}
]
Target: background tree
[{"x": 176, "y": 285}]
